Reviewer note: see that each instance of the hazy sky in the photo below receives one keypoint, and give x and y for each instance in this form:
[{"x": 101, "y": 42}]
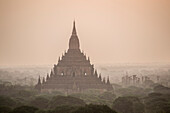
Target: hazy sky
[{"x": 34, "y": 32}]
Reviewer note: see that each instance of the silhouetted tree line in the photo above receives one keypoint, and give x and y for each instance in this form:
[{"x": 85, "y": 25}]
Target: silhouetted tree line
[{"x": 26, "y": 100}]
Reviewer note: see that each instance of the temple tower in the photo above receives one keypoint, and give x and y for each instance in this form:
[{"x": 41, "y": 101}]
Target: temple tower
[{"x": 74, "y": 72}]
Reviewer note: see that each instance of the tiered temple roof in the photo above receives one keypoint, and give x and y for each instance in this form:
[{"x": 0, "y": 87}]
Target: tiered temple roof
[{"x": 74, "y": 72}]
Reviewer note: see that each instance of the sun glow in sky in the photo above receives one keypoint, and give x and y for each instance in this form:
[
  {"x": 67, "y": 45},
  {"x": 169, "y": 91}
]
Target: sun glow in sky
[{"x": 36, "y": 32}]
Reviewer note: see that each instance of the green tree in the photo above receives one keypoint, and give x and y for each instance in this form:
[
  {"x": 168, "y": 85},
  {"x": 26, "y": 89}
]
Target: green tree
[
  {"x": 64, "y": 109},
  {"x": 25, "y": 109},
  {"x": 128, "y": 105},
  {"x": 7, "y": 101},
  {"x": 5, "y": 109},
  {"x": 65, "y": 100},
  {"x": 157, "y": 103},
  {"x": 40, "y": 102},
  {"x": 161, "y": 89},
  {"x": 94, "y": 109}
]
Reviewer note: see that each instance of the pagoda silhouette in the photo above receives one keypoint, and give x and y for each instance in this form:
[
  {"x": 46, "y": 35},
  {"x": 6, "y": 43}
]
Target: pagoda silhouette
[{"x": 74, "y": 72}]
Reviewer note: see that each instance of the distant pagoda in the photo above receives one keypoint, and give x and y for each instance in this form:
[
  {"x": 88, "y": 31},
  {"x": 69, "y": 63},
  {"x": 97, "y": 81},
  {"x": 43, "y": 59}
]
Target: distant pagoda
[{"x": 74, "y": 72}]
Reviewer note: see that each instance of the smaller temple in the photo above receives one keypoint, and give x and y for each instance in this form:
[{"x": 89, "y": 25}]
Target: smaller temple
[
  {"x": 135, "y": 80},
  {"x": 73, "y": 72}
]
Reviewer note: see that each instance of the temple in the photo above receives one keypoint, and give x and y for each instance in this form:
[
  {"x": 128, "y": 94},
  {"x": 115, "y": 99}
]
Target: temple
[{"x": 74, "y": 72}]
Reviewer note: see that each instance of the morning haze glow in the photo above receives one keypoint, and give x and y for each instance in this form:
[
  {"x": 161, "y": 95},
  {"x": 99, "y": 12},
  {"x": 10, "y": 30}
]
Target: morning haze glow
[{"x": 36, "y": 32}]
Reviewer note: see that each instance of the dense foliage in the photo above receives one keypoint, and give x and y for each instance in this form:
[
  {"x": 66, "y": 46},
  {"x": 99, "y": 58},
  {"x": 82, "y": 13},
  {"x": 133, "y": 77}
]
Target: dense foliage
[
  {"x": 128, "y": 105},
  {"x": 23, "y": 99},
  {"x": 94, "y": 109}
]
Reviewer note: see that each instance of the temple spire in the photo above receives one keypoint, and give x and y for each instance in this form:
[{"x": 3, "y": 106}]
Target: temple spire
[
  {"x": 108, "y": 81},
  {"x": 74, "y": 41},
  {"x": 38, "y": 85},
  {"x": 39, "y": 80},
  {"x": 59, "y": 59},
  {"x": 100, "y": 76},
  {"x": 74, "y": 28},
  {"x": 47, "y": 77}
]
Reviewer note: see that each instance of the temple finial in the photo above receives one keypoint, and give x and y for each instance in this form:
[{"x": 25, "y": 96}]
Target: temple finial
[{"x": 74, "y": 28}]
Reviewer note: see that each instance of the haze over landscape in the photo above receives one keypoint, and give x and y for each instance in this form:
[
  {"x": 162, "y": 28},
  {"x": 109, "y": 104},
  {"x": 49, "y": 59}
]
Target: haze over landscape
[
  {"x": 84, "y": 56},
  {"x": 36, "y": 32}
]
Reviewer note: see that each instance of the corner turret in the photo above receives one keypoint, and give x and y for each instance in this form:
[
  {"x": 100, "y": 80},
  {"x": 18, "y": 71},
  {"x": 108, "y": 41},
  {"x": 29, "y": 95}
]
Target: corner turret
[{"x": 38, "y": 86}]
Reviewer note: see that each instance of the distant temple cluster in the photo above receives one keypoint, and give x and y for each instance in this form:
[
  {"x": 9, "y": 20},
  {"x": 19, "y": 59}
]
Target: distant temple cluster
[
  {"x": 134, "y": 80},
  {"x": 74, "y": 72}
]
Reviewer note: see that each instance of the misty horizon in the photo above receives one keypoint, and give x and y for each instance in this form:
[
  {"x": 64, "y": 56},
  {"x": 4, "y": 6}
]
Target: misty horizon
[
  {"x": 37, "y": 33},
  {"x": 85, "y": 56}
]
